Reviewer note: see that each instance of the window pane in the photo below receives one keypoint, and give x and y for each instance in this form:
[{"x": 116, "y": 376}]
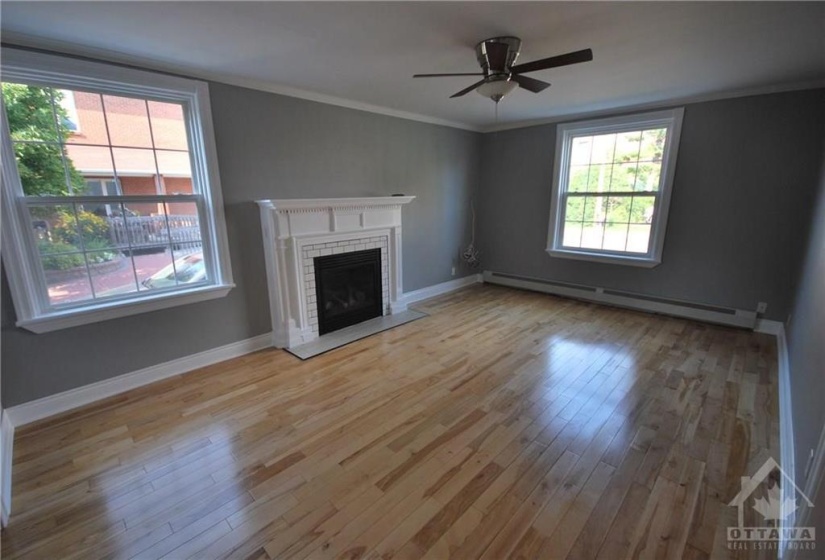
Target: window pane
[
  {"x": 627, "y": 146},
  {"x": 574, "y": 212},
  {"x": 148, "y": 234},
  {"x": 30, "y": 113},
  {"x": 190, "y": 266},
  {"x": 55, "y": 228},
  {"x": 648, "y": 177},
  {"x": 653, "y": 144},
  {"x": 67, "y": 279},
  {"x": 638, "y": 238},
  {"x": 142, "y": 208},
  {"x": 618, "y": 209},
  {"x": 572, "y": 234},
  {"x": 603, "y": 148},
  {"x": 187, "y": 247},
  {"x": 615, "y": 237},
  {"x": 595, "y": 208},
  {"x": 178, "y": 185},
  {"x": 88, "y": 162},
  {"x": 598, "y": 179},
  {"x": 134, "y": 161},
  {"x": 111, "y": 273},
  {"x": 90, "y": 126},
  {"x": 168, "y": 126},
  {"x": 578, "y": 178},
  {"x": 154, "y": 270},
  {"x": 102, "y": 187},
  {"x": 174, "y": 164},
  {"x": 642, "y": 210},
  {"x": 95, "y": 231},
  {"x": 128, "y": 121},
  {"x": 42, "y": 169},
  {"x": 184, "y": 226},
  {"x": 592, "y": 235},
  {"x": 116, "y": 236},
  {"x": 623, "y": 178},
  {"x": 580, "y": 153}
]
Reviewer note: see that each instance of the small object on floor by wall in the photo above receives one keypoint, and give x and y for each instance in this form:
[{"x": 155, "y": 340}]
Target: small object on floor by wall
[{"x": 470, "y": 254}]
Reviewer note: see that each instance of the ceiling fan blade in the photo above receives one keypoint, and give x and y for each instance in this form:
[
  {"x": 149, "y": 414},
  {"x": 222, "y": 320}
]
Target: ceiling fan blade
[
  {"x": 465, "y": 91},
  {"x": 554, "y": 61},
  {"x": 497, "y": 56},
  {"x": 530, "y": 84},
  {"x": 443, "y": 75}
]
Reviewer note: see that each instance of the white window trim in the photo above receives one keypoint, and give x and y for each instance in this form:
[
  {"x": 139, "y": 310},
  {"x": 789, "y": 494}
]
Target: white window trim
[
  {"x": 19, "y": 253},
  {"x": 672, "y": 119}
]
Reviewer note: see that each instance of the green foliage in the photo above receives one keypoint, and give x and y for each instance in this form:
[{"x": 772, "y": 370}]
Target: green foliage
[
  {"x": 615, "y": 209},
  {"x": 98, "y": 245},
  {"x": 90, "y": 226},
  {"x": 64, "y": 250},
  {"x": 36, "y": 139},
  {"x": 101, "y": 256},
  {"x": 57, "y": 255},
  {"x": 54, "y": 257}
]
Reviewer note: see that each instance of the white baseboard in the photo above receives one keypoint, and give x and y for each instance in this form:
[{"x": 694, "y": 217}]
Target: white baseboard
[
  {"x": 39, "y": 409},
  {"x": 439, "y": 289},
  {"x": 684, "y": 309},
  {"x": 816, "y": 477},
  {"x": 787, "y": 459},
  {"x": 766, "y": 326}
]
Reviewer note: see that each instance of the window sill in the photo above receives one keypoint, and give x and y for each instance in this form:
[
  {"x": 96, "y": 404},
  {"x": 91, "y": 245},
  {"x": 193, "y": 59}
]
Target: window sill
[
  {"x": 643, "y": 262},
  {"x": 102, "y": 312}
]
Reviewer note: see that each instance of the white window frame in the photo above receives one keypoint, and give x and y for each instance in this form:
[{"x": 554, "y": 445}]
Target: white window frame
[
  {"x": 565, "y": 133},
  {"x": 20, "y": 255}
]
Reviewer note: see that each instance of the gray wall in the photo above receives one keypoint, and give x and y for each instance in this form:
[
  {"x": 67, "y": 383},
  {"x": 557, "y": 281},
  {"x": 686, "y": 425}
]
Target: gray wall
[
  {"x": 269, "y": 146},
  {"x": 806, "y": 338},
  {"x": 744, "y": 188}
]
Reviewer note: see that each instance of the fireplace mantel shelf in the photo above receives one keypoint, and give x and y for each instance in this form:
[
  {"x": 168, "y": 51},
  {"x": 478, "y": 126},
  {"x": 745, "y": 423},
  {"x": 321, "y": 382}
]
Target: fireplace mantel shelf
[
  {"x": 322, "y": 204},
  {"x": 297, "y": 230}
]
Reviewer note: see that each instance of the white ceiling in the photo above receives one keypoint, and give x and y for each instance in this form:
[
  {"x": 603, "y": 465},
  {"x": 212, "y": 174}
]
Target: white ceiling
[{"x": 364, "y": 54}]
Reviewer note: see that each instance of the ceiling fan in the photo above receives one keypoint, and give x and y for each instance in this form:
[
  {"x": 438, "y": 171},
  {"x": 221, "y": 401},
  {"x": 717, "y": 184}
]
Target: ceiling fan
[{"x": 497, "y": 57}]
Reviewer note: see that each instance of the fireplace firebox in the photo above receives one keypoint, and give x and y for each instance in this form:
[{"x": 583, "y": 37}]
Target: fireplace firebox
[{"x": 348, "y": 289}]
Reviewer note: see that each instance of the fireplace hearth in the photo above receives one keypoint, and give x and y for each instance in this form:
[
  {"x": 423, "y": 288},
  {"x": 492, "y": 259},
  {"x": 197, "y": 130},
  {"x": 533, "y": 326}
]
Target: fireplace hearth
[{"x": 348, "y": 289}]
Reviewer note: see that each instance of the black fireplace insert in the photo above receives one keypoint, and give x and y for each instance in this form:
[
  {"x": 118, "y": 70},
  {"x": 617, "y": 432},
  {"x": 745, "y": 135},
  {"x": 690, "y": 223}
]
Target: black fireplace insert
[{"x": 348, "y": 289}]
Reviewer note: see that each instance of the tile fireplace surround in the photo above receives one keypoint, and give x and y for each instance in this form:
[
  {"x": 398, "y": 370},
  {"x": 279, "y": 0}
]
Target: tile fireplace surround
[{"x": 298, "y": 230}]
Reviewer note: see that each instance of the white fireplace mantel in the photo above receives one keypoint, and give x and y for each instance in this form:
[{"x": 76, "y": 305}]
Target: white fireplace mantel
[{"x": 297, "y": 230}]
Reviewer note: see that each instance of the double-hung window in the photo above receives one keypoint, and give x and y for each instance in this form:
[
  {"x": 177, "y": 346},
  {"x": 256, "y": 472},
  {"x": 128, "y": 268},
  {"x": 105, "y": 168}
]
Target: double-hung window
[
  {"x": 111, "y": 196},
  {"x": 611, "y": 188}
]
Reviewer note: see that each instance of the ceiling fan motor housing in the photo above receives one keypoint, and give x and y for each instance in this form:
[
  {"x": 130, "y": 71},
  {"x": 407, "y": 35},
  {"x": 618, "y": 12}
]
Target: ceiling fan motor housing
[{"x": 513, "y": 45}]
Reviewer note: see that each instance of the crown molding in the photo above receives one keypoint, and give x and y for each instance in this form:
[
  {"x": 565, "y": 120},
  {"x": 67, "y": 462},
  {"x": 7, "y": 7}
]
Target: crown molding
[{"x": 56, "y": 47}]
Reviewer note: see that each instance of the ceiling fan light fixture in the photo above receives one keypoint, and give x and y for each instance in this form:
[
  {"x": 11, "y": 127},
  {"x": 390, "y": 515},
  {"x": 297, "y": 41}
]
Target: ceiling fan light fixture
[
  {"x": 496, "y": 89},
  {"x": 497, "y": 57}
]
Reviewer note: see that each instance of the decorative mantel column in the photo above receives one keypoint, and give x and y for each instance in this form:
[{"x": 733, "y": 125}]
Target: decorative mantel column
[{"x": 295, "y": 231}]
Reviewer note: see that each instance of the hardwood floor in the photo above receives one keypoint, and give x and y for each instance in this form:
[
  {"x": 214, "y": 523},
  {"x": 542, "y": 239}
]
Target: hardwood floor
[{"x": 506, "y": 425}]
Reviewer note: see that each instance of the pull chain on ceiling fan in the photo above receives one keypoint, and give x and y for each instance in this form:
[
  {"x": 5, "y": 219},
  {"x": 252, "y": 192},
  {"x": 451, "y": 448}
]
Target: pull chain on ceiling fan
[{"x": 497, "y": 57}]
